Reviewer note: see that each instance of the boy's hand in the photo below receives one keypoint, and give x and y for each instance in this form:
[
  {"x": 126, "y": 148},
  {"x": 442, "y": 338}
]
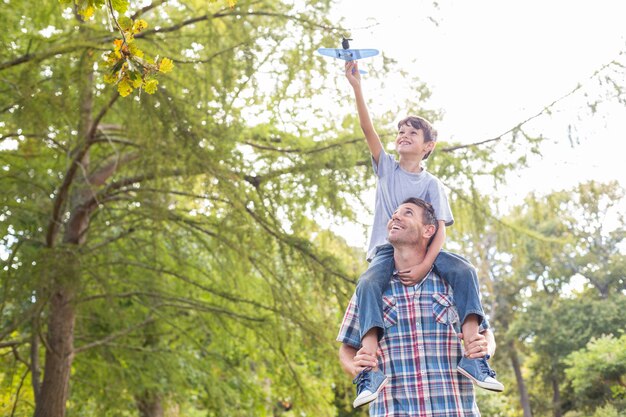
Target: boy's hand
[
  {"x": 352, "y": 73},
  {"x": 414, "y": 275}
]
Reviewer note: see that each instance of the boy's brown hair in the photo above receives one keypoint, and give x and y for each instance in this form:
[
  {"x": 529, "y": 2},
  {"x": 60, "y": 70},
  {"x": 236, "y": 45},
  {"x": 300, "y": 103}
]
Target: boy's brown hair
[{"x": 430, "y": 134}]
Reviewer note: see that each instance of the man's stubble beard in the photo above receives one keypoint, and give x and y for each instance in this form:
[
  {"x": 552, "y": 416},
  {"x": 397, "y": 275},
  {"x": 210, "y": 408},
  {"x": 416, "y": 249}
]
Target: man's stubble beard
[{"x": 399, "y": 241}]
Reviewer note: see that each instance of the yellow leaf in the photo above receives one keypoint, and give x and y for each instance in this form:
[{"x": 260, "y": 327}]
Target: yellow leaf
[
  {"x": 109, "y": 78},
  {"x": 135, "y": 50},
  {"x": 166, "y": 65},
  {"x": 87, "y": 12},
  {"x": 137, "y": 82},
  {"x": 118, "y": 47},
  {"x": 111, "y": 58},
  {"x": 150, "y": 86},
  {"x": 124, "y": 87},
  {"x": 232, "y": 3},
  {"x": 139, "y": 25}
]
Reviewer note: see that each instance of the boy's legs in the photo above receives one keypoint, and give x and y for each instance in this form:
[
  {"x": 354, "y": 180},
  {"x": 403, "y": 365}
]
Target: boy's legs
[
  {"x": 369, "y": 294},
  {"x": 462, "y": 277}
]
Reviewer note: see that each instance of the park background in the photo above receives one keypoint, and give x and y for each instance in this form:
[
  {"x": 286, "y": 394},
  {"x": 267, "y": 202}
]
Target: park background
[{"x": 185, "y": 205}]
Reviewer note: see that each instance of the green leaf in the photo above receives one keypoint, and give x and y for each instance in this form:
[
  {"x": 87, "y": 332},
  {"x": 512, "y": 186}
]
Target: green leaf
[
  {"x": 125, "y": 22},
  {"x": 120, "y": 6}
]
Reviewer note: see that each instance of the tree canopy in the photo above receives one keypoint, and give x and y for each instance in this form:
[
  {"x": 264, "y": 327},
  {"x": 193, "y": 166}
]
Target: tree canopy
[{"x": 166, "y": 168}]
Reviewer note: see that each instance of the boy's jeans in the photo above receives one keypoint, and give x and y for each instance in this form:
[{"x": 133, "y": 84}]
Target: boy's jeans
[{"x": 458, "y": 273}]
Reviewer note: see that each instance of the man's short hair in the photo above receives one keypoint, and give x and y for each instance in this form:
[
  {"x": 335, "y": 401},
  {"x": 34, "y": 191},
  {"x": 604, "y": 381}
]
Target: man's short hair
[{"x": 428, "y": 212}]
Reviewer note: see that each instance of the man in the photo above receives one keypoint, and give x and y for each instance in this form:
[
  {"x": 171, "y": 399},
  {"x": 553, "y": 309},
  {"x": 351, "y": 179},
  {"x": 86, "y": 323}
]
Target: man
[{"x": 420, "y": 348}]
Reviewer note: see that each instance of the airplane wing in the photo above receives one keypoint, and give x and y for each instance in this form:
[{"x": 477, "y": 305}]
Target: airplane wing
[{"x": 348, "y": 54}]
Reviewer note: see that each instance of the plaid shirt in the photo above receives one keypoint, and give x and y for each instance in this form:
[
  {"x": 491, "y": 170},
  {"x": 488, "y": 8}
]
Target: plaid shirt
[{"x": 419, "y": 352}]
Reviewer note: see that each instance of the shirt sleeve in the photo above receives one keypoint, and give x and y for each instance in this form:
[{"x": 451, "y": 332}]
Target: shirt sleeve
[
  {"x": 484, "y": 325},
  {"x": 439, "y": 200},
  {"x": 386, "y": 164},
  {"x": 349, "y": 332}
]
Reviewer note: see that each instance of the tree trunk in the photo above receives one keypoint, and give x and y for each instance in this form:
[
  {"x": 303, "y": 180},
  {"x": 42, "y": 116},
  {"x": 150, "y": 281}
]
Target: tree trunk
[
  {"x": 150, "y": 405},
  {"x": 34, "y": 360},
  {"x": 65, "y": 273},
  {"x": 59, "y": 355},
  {"x": 521, "y": 385},
  {"x": 556, "y": 397}
]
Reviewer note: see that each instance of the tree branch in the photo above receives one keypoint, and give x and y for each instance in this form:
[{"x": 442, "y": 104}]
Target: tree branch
[
  {"x": 63, "y": 191},
  {"x": 99, "y": 177},
  {"x": 188, "y": 280},
  {"x": 114, "y": 335},
  {"x": 17, "y": 135},
  {"x": 213, "y": 56},
  {"x": 43, "y": 55},
  {"x": 301, "y": 151},
  {"x": 17, "y": 394},
  {"x": 100, "y": 245},
  {"x": 147, "y": 8},
  {"x": 11, "y": 343},
  {"x": 217, "y": 15},
  {"x": 297, "y": 244},
  {"x": 26, "y": 316},
  {"x": 546, "y": 109},
  {"x": 96, "y": 122}
]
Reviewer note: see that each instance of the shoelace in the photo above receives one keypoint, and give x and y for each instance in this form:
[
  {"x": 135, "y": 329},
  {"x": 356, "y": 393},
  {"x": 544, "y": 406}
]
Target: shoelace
[
  {"x": 362, "y": 378},
  {"x": 485, "y": 367}
]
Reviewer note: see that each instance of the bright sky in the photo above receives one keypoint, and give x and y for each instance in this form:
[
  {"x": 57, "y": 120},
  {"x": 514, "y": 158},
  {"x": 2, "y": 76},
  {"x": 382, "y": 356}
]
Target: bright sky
[{"x": 492, "y": 64}]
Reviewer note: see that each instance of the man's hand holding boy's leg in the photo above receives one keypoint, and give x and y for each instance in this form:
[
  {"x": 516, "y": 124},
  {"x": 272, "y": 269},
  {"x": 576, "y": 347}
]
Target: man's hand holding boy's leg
[
  {"x": 363, "y": 360},
  {"x": 474, "y": 365}
]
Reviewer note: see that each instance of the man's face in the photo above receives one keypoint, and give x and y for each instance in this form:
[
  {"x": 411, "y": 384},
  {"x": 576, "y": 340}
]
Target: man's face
[{"x": 405, "y": 225}]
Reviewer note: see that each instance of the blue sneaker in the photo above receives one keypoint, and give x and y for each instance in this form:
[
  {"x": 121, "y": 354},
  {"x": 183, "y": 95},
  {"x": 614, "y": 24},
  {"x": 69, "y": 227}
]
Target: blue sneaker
[
  {"x": 368, "y": 384},
  {"x": 481, "y": 374}
]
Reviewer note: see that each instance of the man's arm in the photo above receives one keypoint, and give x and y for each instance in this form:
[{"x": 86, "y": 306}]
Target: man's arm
[
  {"x": 416, "y": 273},
  {"x": 491, "y": 342},
  {"x": 353, "y": 361},
  {"x": 373, "y": 140}
]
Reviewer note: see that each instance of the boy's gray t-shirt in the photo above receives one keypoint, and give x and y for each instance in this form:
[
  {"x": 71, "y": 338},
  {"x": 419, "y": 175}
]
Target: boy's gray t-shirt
[{"x": 396, "y": 185}]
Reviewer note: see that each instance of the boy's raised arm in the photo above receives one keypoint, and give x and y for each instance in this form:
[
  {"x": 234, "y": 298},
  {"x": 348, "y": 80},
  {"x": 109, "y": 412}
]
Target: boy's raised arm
[{"x": 373, "y": 140}]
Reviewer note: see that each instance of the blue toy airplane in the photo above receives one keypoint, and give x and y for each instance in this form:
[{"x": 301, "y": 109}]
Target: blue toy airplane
[{"x": 346, "y": 53}]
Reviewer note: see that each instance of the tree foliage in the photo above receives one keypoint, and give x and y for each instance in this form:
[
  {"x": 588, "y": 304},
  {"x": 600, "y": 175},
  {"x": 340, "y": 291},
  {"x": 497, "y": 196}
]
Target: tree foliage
[
  {"x": 598, "y": 372},
  {"x": 169, "y": 246},
  {"x": 158, "y": 224}
]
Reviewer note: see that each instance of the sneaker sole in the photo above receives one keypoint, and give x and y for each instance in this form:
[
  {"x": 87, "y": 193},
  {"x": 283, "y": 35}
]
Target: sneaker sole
[
  {"x": 371, "y": 397},
  {"x": 482, "y": 384}
]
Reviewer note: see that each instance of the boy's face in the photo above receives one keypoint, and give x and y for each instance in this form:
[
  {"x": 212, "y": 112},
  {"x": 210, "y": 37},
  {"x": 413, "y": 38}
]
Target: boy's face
[{"x": 410, "y": 140}]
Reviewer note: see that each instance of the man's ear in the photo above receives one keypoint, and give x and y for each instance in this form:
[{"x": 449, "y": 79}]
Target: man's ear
[
  {"x": 429, "y": 231},
  {"x": 430, "y": 146}
]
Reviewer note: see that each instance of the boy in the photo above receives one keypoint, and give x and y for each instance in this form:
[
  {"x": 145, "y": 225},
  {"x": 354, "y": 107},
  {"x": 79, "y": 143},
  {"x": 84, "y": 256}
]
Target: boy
[{"x": 398, "y": 181}]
